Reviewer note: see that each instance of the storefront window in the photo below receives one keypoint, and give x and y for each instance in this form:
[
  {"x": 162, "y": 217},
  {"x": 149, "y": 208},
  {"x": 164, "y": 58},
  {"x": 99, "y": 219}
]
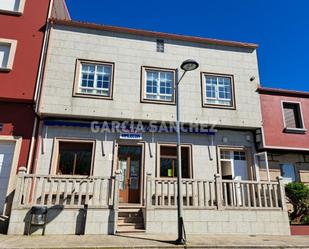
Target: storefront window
[
  {"x": 168, "y": 161},
  {"x": 75, "y": 158}
]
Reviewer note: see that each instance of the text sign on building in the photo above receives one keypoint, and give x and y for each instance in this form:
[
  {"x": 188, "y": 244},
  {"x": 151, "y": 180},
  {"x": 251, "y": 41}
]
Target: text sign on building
[{"x": 131, "y": 136}]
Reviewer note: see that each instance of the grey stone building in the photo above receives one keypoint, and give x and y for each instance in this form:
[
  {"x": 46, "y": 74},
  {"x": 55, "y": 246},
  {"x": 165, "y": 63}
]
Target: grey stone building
[{"x": 97, "y": 78}]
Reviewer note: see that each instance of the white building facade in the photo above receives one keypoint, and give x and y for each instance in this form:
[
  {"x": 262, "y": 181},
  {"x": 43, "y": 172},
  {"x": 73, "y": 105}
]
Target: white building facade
[{"x": 97, "y": 78}]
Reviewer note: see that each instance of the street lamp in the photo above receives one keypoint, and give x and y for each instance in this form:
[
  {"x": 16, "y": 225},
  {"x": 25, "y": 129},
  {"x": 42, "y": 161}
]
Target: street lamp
[{"x": 187, "y": 65}]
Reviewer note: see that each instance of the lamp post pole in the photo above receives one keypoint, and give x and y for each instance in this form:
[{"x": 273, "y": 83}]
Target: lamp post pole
[
  {"x": 188, "y": 65},
  {"x": 181, "y": 238}
]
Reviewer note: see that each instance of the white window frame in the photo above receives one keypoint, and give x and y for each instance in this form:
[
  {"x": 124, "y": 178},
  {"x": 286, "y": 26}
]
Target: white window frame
[
  {"x": 289, "y": 129},
  {"x": 231, "y": 151},
  {"x": 16, "y": 12},
  {"x": 78, "y": 80},
  {"x": 204, "y": 94},
  {"x": 12, "y": 51},
  {"x": 256, "y": 165},
  {"x": 144, "y": 86}
]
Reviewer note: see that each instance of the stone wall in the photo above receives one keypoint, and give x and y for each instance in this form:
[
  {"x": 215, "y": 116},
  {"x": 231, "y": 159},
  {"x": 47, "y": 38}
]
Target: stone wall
[
  {"x": 65, "y": 221},
  {"x": 197, "y": 221},
  {"x": 130, "y": 53}
]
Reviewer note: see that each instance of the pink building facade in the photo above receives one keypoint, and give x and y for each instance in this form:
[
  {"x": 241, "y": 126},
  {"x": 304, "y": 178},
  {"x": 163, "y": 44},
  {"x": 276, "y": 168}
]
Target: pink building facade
[{"x": 285, "y": 135}]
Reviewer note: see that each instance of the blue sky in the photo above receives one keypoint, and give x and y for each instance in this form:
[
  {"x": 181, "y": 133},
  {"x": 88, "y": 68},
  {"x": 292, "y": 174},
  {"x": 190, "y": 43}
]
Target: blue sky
[{"x": 281, "y": 28}]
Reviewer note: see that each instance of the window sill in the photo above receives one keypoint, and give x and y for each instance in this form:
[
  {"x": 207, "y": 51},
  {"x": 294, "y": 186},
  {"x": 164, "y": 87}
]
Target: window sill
[
  {"x": 11, "y": 12},
  {"x": 5, "y": 69},
  {"x": 92, "y": 96},
  {"x": 295, "y": 130},
  {"x": 161, "y": 102},
  {"x": 219, "y": 106}
]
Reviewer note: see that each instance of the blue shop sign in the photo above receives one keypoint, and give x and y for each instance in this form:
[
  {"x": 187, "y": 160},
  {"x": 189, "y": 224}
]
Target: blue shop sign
[{"x": 131, "y": 136}]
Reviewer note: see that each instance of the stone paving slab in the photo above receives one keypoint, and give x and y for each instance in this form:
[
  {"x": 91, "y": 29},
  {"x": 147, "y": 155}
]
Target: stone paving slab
[{"x": 150, "y": 241}]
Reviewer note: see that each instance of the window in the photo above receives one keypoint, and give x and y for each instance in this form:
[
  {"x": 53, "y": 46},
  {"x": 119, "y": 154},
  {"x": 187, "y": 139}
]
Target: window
[
  {"x": 7, "y": 54},
  {"x": 75, "y": 158},
  {"x": 292, "y": 116},
  {"x": 95, "y": 79},
  {"x": 234, "y": 164},
  {"x": 217, "y": 90},
  {"x": 168, "y": 161},
  {"x": 240, "y": 155},
  {"x": 288, "y": 172},
  {"x": 160, "y": 46},
  {"x": 15, "y": 6},
  {"x": 158, "y": 85}
]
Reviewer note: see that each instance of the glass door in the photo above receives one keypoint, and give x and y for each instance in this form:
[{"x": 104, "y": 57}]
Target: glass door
[{"x": 129, "y": 163}]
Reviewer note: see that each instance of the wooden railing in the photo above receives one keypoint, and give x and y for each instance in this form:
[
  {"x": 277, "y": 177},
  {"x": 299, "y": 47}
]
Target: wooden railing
[
  {"x": 217, "y": 193},
  {"x": 67, "y": 191}
]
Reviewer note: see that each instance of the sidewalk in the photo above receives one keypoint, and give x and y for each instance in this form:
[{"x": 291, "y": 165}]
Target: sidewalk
[{"x": 151, "y": 241}]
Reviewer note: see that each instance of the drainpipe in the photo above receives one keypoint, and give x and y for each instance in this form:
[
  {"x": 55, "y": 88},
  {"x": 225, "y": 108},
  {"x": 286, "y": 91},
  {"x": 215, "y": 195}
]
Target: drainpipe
[
  {"x": 34, "y": 142},
  {"x": 43, "y": 55}
]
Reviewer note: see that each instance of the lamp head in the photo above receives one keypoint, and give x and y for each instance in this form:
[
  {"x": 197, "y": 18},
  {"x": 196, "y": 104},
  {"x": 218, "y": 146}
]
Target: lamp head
[{"x": 189, "y": 65}]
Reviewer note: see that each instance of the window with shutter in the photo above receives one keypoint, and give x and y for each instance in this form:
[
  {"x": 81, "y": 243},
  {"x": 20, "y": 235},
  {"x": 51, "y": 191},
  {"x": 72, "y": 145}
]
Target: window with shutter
[{"x": 292, "y": 115}]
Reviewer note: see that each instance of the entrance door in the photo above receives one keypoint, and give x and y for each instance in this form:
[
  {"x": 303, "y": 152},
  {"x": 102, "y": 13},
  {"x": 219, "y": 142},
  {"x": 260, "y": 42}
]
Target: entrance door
[
  {"x": 234, "y": 165},
  {"x": 6, "y": 157},
  {"x": 240, "y": 166},
  {"x": 129, "y": 163}
]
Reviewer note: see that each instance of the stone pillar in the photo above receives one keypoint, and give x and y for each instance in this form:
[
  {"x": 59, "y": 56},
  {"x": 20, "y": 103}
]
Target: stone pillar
[
  {"x": 282, "y": 193},
  {"x": 19, "y": 187},
  {"x": 116, "y": 199},
  {"x": 148, "y": 190},
  {"x": 218, "y": 184}
]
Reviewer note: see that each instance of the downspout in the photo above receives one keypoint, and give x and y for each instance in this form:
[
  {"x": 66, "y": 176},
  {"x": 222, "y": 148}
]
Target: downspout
[
  {"x": 34, "y": 142},
  {"x": 43, "y": 55}
]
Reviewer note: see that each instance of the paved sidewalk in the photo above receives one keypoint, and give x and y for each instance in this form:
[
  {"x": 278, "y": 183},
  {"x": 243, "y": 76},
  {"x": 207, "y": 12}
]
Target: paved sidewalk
[{"x": 151, "y": 241}]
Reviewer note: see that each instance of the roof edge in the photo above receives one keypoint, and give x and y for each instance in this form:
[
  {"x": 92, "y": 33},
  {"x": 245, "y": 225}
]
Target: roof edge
[
  {"x": 153, "y": 34},
  {"x": 283, "y": 92}
]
